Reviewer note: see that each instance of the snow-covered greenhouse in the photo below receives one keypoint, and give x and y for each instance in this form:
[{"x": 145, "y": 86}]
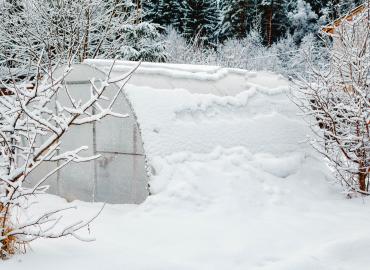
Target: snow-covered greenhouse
[{"x": 171, "y": 109}]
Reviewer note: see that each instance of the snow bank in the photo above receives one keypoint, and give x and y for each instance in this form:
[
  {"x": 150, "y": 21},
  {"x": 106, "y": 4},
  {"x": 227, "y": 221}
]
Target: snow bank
[{"x": 223, "y": 210}]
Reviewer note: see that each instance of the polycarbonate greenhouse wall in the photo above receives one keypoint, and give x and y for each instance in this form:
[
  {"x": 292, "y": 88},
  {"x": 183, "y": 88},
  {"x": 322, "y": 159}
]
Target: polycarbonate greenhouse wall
[{"x": 119, "y": 175}]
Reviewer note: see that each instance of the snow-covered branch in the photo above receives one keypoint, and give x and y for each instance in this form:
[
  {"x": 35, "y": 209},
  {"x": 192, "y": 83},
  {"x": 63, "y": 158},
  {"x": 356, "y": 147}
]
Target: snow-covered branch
[
  {"x": 33, "y": 123},
  {"x": 336, "y": 100}
]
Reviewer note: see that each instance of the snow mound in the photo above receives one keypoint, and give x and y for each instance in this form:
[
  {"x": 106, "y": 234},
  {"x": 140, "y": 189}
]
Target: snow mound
[
  {"x": 222, "y": 179},
  {"x": 223, "y": 210}
]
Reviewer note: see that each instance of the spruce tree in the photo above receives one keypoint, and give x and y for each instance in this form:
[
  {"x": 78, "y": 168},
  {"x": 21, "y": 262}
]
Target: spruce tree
[
  {"x": 274, "y": 19},
  {"x": 164, "y": 12},
  {"x": 317, "y": 5},
  {"x": 238, "y": 17},
  {"x": 151, "y": 11},
  {"x": 303, "y": 21},
  {"x": 170, "y": 13},
  {"x": 201, "y": 19}
]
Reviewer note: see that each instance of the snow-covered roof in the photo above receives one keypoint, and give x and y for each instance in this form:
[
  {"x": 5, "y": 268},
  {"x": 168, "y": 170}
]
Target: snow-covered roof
[
  {"x": 193, "y": 78},
  {"x": 190, "y": 108},
  {"x": 355, "y": 14}
]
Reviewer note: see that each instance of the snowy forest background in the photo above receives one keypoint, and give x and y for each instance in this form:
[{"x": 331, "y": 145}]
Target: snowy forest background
[
  {"x": 214, "y": 22},
  {"x": 248, "y": 34}
]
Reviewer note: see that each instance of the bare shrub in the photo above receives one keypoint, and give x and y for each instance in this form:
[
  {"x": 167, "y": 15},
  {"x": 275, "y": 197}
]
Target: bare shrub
[{"x": 335, "y": 98}]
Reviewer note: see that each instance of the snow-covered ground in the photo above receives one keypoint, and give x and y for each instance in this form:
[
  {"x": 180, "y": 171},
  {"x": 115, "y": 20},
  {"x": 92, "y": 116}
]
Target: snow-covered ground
[{"x": 235, "y": 186}]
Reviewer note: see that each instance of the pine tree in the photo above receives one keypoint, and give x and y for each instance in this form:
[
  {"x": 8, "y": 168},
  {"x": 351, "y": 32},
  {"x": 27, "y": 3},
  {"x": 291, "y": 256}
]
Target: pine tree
[
  {"x": 142, "y": 42},
  {"x": 151, "y": 11},
  {"x": 274, "y": 19},
  {"x": 303, "y": 21},
  {"x": 201, "y": 21},
  {"x": 238, "y": 17},
  {"x": 164, "y": 12},
  {"x": 316, "y": 5},
  {"x": 170, "y": 12}
]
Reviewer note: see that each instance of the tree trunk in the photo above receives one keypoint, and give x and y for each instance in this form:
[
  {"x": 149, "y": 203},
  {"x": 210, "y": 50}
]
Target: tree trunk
[
  {"x": 362, "y": 175},
  {"x": 269, "y": 24}
]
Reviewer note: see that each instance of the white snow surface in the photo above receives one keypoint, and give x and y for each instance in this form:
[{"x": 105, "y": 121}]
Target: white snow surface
[{"x": 235, "y": 186}]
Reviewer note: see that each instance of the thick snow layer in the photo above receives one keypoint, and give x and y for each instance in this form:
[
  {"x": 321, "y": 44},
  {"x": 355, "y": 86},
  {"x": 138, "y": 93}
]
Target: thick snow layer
[
  {"x": 234, "y": 186},
  {"x": 197, "y": 108},
  {"x": 229, "y": 209},
  {"x": 194, "y": 78},
  {"x": 176, "y": 120}
]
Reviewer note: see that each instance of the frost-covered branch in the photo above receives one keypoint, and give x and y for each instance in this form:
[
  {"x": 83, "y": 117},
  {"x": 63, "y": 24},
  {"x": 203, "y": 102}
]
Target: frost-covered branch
[
  {"x": 33, "y": 123},
  {"x": 336, "y": 101},
  {"x": 72, "y": 30}
]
